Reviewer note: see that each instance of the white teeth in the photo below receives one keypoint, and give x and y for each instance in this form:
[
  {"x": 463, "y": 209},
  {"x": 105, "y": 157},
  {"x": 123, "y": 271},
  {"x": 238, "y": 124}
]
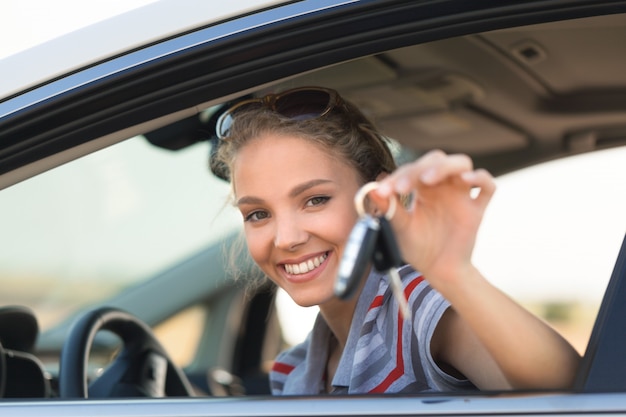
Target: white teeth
[{"x": 304, "y": 267}]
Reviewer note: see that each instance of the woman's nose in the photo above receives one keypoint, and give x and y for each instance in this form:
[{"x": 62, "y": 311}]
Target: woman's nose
[{"x": 289, "y": 233}]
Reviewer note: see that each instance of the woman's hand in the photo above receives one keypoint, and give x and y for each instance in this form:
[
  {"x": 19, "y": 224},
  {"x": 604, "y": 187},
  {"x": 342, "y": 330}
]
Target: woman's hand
[
  {"x": 436, "y": 234},
  {"x": 487, "y": 337}
]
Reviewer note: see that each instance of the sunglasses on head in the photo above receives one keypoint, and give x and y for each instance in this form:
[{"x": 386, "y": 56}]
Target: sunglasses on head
[{"x": 303, "y": 103}]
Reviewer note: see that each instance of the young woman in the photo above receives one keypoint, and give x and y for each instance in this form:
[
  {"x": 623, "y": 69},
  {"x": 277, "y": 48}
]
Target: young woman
[{"x": 296, "y": 161}]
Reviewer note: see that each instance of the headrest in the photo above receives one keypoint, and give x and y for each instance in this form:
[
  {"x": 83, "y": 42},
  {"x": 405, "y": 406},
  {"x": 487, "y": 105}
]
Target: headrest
[{"x": 18, "y": 328}]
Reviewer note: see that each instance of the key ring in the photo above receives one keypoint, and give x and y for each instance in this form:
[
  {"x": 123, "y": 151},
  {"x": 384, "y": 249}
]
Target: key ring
[{"x": 359, "y": 199}]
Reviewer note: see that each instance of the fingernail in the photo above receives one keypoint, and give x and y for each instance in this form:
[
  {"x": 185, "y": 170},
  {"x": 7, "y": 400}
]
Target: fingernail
[
  {"x": 428, "y": 176},
  {"x": 468, "y": 176}
]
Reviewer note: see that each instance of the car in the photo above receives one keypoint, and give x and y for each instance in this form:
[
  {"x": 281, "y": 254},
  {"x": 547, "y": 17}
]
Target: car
[{"x": 121, "y": 282}]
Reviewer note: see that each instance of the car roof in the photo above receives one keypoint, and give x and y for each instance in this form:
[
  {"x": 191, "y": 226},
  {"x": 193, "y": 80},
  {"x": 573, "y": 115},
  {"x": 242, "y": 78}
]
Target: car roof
[{"x": 116, "y": 35}]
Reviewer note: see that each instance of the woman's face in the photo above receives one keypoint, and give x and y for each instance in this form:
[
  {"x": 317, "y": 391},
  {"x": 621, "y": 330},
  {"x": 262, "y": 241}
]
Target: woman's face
[{"x": 298, "y": 210}]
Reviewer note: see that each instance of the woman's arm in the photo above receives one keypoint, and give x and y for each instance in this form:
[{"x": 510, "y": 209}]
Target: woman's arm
[
  {"x": 497, "y": 344},
  {"x": 488, "y": 337}
]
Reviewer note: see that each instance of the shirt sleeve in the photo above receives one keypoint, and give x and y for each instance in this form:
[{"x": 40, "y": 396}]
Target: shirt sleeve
[{"x": 434, "y": 306}]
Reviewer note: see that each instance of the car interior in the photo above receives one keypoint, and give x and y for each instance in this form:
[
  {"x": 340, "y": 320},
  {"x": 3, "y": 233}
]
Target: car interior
[{"x": 510, "y": 98}]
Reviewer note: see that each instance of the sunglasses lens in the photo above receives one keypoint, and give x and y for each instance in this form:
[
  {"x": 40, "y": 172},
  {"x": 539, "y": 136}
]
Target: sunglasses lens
[
  {"x": 303, "y": 104},
  {"x": 225, "y": 121},
  {"x": 223, "y": 125}
]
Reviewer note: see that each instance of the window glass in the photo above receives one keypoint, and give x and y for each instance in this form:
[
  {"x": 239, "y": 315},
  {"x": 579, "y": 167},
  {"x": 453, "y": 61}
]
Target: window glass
[
  {"x": 551, "y": 236},
  {"x": 180, "y": 335},
  {"x": 86, "y": 230}
]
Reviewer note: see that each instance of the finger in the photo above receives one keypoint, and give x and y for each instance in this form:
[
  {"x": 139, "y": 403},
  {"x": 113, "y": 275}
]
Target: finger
[
  {"x": 484, "y": 180},
  {"x": 405, "y": 177},
  {"x": 431, "y": 169},
  {"x": 442, "y": 169}
]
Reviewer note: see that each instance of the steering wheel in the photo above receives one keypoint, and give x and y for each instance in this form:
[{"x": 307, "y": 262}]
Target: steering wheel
[{"x": 142, "y": 368}]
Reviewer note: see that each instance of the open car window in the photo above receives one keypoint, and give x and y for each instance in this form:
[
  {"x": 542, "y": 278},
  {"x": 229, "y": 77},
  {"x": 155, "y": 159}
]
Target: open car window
[
  {"x": 107, "y": 198},
  {"x": 86, "y": 231}
]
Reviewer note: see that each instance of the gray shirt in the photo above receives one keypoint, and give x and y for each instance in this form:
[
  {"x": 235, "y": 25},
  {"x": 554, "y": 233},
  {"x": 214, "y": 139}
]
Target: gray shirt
[{"x": 383, "y": 353}]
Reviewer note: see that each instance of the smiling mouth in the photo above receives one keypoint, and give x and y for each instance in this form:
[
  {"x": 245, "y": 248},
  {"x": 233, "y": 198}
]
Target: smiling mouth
[{"x": 304, "y": 267}]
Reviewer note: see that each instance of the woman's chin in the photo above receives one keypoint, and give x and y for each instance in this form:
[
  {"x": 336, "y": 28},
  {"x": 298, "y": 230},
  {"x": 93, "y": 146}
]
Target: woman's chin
[{"x": 312, "y": 300}]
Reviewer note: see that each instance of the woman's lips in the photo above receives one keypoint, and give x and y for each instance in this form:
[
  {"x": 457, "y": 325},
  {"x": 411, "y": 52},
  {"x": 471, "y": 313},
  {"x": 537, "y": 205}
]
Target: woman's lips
[{"x": 305, "y": 270}]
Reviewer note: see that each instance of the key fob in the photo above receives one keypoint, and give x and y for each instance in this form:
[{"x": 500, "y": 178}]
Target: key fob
[
  {"x": 387, "y": 253},
  {"x": 357, "y": 256},
  {"x": 387, "y": 258}
]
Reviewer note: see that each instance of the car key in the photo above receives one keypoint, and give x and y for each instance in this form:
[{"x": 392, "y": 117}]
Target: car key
[
  {"x": 357, "y": 256},
  {"x": 387, "y": 258},
  {"x": 367, "y": 244}
]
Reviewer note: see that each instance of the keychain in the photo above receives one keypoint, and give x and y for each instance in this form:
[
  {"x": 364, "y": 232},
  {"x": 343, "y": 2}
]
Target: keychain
[{"x": 372, "y": 240}]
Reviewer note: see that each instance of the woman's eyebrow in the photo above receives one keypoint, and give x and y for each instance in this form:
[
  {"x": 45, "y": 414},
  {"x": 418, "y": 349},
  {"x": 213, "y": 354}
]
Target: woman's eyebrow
[
  {"x": 249, "y": 200},
  {"x": 299, "y": 189}
]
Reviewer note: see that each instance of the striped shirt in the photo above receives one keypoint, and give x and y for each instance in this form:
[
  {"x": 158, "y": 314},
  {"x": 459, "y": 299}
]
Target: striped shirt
[{"x": 384, "y": 353}]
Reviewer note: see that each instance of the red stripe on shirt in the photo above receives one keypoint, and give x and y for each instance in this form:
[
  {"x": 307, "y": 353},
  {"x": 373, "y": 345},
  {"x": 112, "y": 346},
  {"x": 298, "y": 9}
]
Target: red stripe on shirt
[
  {"x": 409, "y": 288},
  {"x": 397, "y": 372},
  {"x": 282, "y": 368},
  {"x": 377, "y": 302}
]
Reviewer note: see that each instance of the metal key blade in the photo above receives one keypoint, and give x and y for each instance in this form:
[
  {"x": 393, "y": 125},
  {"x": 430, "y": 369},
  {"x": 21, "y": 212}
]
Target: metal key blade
[
  {"x": 398, "y": 293},
  {"x": 388, "y": 258}
]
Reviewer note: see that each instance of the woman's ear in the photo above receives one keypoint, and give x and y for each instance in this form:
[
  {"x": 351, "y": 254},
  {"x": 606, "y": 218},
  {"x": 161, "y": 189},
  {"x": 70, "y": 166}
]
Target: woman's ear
[{"x": 381, "y": 175}]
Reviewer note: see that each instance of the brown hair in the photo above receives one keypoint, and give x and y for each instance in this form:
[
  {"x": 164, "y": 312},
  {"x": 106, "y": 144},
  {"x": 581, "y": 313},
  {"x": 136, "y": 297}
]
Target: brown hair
[{"x": 344, "y": 132}]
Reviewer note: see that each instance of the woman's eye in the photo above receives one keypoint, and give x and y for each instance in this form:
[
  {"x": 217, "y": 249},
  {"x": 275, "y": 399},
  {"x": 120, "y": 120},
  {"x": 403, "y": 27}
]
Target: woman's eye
[
  {"x": 317, "y": 201},
  {"x": 256, "y": 216}
]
